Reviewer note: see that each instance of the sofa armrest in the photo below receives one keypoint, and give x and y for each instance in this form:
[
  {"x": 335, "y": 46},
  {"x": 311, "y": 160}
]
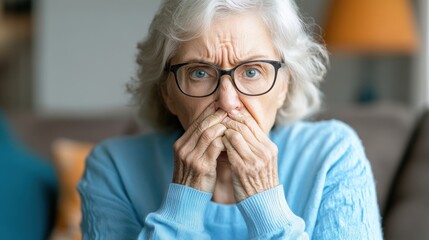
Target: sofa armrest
[
  {"x": 39, "y": 132},
  {"x": 408, "y": 211}
]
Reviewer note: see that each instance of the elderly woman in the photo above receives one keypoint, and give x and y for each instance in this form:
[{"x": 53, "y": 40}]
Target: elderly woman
[{"x": 226, "y": 83}]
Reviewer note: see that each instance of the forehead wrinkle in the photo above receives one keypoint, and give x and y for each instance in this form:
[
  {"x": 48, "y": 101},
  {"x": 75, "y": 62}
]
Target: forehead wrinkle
[
  {"x": 193, "y": 51},
  {"x": 209, "y": 51},
  {"x": 225, "y": 46},
  {"x": 230, "y": 52}
]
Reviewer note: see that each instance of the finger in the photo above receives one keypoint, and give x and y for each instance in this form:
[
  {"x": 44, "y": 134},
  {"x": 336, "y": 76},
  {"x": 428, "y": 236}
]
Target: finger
[
  {"x": 238, "y": 146},
  {"x": 247, "y": 119},
  {"x": 208, "y": 122},
  {"x": 207, "y": 112},
  {"x": 233, "y": 156},
  {"x": 244, "y": 130},
  {"x": 201, "y": 130},
  {"x": 214, "y": 150},
  {"x": 207, "y": 139},
  {"x": 194, "y": 132}
]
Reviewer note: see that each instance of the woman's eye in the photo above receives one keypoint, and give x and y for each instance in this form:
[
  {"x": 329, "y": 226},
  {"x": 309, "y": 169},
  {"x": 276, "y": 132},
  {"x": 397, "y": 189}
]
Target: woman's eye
[
  {"x": 251, "y": 73},
  {"x": 199, "y": 73}
]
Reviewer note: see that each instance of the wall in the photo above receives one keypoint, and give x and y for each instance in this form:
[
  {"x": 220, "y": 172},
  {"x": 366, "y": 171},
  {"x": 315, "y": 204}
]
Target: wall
[
  {"x": 420, "y": 84},
  {"x": 85, "y": 51},
  {"x": 425, "y": 60}
]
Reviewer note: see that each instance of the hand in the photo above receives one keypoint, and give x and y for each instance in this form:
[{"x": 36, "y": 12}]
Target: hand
[
  {"x": 252, "y": 155},
  {"x": 196, "y": 152}
]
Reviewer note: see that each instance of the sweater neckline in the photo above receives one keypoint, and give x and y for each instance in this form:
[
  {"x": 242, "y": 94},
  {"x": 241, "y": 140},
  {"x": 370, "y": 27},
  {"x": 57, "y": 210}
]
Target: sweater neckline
[{"x": 223, "y": 214}]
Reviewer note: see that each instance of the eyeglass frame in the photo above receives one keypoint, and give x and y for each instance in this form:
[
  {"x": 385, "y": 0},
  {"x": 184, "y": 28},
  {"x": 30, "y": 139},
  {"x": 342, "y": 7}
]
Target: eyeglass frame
[{"x": 221, "y": 72}]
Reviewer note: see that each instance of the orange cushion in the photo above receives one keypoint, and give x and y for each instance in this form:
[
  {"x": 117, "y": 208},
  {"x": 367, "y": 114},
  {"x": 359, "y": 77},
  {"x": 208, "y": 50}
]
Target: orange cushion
[{"x": 69, "y": 161}]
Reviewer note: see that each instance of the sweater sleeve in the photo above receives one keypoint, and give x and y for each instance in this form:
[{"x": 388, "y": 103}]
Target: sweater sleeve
[
  {"x": 349, "y": 209},
  {"x": 181, "y": 216},
  {"x": 343, "y": 191},
  {"x": 268, "y": 216},
  {"x": 109, "y": 214}
]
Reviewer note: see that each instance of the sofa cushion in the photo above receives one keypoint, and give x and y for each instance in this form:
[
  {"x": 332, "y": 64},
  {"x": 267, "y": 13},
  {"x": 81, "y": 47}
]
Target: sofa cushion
[{"x": 69, "y": 161}]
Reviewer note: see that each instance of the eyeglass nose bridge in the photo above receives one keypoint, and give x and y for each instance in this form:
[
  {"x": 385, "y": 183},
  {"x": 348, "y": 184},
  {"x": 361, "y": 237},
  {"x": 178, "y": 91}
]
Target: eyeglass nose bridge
[
  {"x": 226, "y": 72},
  {"x": 223, "y": 72}
]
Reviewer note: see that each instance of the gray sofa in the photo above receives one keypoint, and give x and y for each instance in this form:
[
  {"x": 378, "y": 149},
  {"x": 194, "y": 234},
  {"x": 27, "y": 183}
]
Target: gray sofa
[
  {"x": 407, "y": 215},
  {"x": 395, "y": 138}
]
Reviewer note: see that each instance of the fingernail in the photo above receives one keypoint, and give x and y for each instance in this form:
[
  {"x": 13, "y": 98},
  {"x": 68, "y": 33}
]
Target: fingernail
[
  {"x": 225, "y": 120},
  {"x": 234, "y": 112}
]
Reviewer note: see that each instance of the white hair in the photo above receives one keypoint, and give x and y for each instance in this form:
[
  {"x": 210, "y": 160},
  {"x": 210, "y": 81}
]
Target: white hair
[{"x": 179, "y": 21}]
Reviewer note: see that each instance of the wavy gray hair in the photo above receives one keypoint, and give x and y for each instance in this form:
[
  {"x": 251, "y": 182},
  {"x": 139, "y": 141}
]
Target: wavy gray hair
[{"x": 179, "y": 21}]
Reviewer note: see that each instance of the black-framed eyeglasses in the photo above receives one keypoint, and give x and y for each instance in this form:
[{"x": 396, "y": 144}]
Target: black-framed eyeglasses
[{"x": 252, "y": 78}]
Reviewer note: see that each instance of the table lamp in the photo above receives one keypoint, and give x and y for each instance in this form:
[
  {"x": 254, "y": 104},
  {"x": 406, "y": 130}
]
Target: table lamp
[{"x": 370, "y": 28}]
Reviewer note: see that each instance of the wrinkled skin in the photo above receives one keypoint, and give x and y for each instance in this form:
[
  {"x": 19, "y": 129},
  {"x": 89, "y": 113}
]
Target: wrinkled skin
[{"x": 225, "y": 149}]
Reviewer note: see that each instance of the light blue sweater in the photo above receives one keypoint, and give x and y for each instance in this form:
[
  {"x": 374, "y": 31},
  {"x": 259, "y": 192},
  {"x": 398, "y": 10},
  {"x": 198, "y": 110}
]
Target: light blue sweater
[{"x": 327, "y": 191}]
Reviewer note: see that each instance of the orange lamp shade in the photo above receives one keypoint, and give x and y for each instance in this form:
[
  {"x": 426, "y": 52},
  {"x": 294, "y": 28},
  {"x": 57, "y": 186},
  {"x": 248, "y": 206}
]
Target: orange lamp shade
[{"x": 371, "y": 26}]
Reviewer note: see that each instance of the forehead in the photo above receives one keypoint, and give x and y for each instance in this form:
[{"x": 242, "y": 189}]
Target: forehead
[{"x": 233, "y": 38}]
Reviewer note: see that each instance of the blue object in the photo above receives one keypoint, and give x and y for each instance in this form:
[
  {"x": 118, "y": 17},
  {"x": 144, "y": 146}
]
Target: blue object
[
  {"x": 27, "y": 188},
  {"x": 326, "y": 191},
  {"x": 368, "y": 92}
]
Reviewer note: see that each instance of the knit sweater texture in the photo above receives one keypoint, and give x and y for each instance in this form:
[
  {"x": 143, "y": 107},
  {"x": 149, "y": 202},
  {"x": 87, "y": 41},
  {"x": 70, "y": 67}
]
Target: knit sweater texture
[{"x": 326, "y": 191}]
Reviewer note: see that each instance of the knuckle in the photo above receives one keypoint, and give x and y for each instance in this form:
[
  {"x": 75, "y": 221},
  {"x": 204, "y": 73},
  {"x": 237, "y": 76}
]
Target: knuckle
[
  {"x": 203, "y": 125},
  {"x": 274, "y": 150},
  {"x": 180, "y": 151},
  {"x": 208, "y": 136},
  {"x": 252, "y": 170},
  {"x": 176, "y": 146},
  {"x": 217, "y": 143},
  {"x": 267, "y": 155},
  {"x": 259, "y": 165},
  {"x": 220, "y": 128},
  {"x": 197, "y": 167},
  {"x": 193, "y": 126},
  {"x": 189, "y": 159},
  {"x": 235, "y": 137},
  {"x": 199, "y": 129},
  {"x": 241, "y": 127},
  {"x": 238, "y": 126}
]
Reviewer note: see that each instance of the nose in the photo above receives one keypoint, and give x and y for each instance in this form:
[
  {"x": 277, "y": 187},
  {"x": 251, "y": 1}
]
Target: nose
[{"x": 227, "y": 96}]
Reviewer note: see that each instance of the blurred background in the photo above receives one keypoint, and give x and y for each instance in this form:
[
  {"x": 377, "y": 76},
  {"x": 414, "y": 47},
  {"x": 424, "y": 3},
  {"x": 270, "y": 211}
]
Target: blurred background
[
  {"x": 64, "y": 66},
  {"x": 55, "y": 56}
]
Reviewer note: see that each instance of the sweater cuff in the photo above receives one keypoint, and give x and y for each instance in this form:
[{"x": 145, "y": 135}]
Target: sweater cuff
[
  {"x": 185, "y": 205},
  {"x": 268, "y": 212}
]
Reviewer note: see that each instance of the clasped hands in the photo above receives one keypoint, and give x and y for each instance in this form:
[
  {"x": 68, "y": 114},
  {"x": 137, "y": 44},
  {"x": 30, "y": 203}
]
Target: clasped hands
[{"x": 251, "y": 154}]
